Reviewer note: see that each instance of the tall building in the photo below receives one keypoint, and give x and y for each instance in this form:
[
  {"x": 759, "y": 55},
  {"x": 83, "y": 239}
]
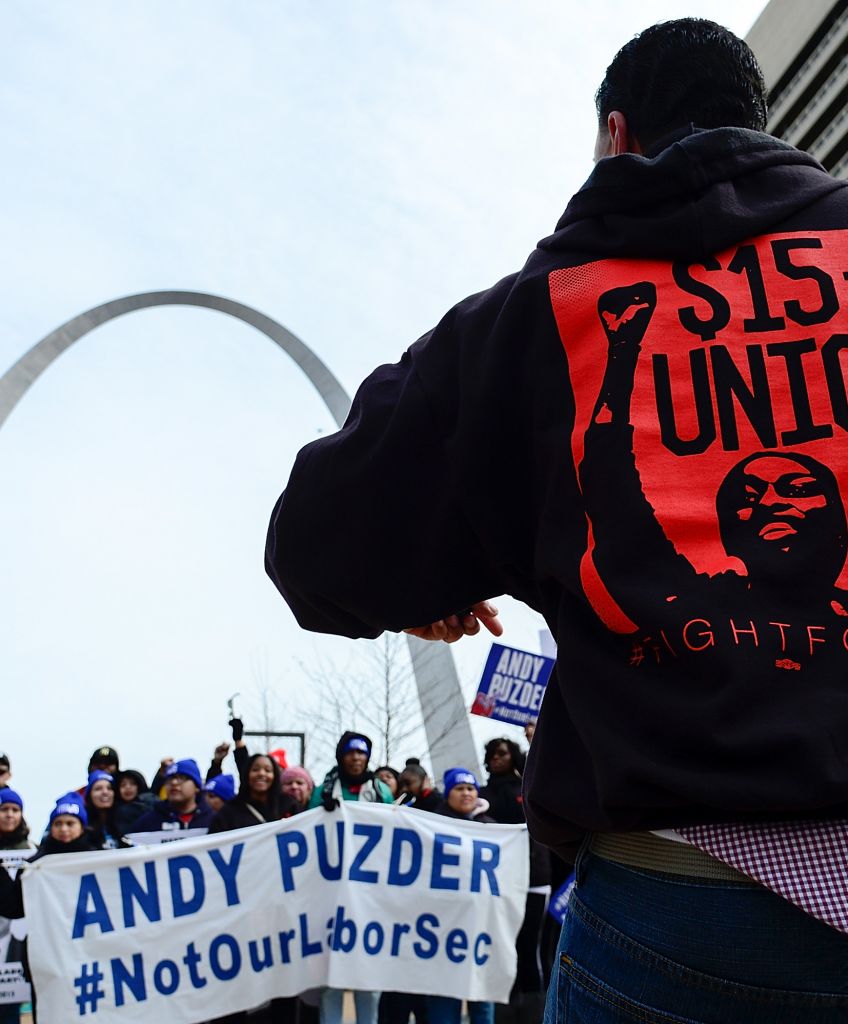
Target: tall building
[{"x": 803, "y": 51}]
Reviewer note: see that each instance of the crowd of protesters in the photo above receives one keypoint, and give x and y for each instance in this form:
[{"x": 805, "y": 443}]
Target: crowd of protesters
[{"x": 117, "y": 807}]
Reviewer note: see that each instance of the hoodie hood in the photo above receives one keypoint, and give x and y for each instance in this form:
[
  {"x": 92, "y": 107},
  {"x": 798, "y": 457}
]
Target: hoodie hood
[
  {"x": 702, "y": 191},
  {"x": 137, "y": 778},
  {"x": 353, "y": 740}
]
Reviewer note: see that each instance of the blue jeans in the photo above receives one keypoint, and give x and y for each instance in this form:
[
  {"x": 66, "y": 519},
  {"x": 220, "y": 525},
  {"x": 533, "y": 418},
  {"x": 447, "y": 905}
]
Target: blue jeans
[
  {"x": 444, "y": 1010},
  {"x": 366, "y": 1004},
  {"x": 638, "y": 946}
]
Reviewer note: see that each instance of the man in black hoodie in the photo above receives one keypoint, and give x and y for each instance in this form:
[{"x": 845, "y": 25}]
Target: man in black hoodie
[{"x": 640, "y": 435}]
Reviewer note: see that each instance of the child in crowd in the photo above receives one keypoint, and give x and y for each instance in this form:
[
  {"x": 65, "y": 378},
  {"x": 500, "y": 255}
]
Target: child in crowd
[
  {"x": 134, "y": 799},
  {"x": 219, "y": 791}
]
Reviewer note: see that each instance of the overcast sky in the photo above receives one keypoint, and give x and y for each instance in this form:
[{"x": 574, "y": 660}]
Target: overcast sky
[{"x": 350, "y": 169}]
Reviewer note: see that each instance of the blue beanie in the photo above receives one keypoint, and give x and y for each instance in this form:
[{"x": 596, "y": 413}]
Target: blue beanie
[
  {"x": 459, "y": 777},
  {"x": 187, "y": 767},
  {"x": 223, "y": 786},
  {"x": 70, "y": 803},
  {"x": 358, "y": 744},
  {"x": 96, "y": 776},
  {"x": 9, "y": 796}
]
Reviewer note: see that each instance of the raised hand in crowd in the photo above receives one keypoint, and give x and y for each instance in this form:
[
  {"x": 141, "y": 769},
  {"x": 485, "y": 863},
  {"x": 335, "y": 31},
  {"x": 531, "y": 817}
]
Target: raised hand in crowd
[
  {"x": 216, "y": 765},
  {"x": 158, "y": 783}
]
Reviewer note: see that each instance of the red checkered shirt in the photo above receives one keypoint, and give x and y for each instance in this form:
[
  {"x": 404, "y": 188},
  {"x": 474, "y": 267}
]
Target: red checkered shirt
[{"x": 806, "y": 863}]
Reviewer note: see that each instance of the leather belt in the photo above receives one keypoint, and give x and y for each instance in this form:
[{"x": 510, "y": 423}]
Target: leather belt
[{"x": 653, "y": 853}]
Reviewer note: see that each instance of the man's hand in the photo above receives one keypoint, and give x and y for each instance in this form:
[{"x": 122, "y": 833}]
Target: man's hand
[
  {"x": 221, "y": 752},
  {"x": 465, "y": 624}
]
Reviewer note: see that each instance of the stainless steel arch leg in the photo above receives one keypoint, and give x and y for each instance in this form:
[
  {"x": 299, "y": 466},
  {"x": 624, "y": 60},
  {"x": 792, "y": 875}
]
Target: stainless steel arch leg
[{"x": 442, "y": 705}]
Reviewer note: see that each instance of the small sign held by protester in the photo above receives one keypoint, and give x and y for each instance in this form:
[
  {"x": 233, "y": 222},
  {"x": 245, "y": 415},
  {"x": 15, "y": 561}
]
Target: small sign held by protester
[
  {"x": 559, "y": 900},
  {"x": 14, "y": 988},
  {"x": 164, "y": 836},
  {"x": 512, "y": 685}
]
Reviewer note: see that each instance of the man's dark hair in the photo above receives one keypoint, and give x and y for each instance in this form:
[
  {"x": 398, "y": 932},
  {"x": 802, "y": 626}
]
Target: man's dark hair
[{"x": 676, "y": 73}]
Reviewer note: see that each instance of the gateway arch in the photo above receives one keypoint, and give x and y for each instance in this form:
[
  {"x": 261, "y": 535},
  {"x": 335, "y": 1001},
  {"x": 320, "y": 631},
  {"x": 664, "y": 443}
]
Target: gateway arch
[{"x": 443, "y": 708}]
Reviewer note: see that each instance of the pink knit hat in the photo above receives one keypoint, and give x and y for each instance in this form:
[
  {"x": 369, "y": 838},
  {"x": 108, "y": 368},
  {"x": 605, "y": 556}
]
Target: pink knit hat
[{"x": 298, "y": 772}]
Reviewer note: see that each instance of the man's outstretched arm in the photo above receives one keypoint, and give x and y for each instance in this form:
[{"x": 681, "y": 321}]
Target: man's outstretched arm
[
  {"x": 466, "y": 623},
  {"x": 370, "y": 533},
  {"x": 450, "y": 483}
]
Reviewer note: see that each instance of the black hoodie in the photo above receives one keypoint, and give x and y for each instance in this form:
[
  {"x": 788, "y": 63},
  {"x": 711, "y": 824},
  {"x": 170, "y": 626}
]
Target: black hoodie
[{"x": 641, "y": 435}]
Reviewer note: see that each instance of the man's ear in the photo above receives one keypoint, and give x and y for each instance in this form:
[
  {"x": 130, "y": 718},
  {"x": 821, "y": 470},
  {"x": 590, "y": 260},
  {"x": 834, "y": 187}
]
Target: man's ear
[{"x": 621, "y": 138}]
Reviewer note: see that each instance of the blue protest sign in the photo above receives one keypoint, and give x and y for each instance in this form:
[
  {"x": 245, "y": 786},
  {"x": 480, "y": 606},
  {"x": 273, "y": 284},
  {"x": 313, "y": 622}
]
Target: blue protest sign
[
  {"x": 559, "y": 900},
  {"x": 512, "y": 685}
]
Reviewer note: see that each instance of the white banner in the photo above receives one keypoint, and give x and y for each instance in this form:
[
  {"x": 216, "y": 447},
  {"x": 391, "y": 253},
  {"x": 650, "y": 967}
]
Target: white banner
[{"x": 368, "y": 897}]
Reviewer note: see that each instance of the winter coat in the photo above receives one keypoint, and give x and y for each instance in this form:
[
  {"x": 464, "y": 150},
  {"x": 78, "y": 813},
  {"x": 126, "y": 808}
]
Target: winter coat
[
  {"x": 372, "y": 790},
  {"x": 427, "y": 800},
  {"x": 506, "y": 805},
  {"x": 239, "y": 813},
  {"x": 127, "y": 813},
  {"x": 16, "y": 841},
  {"x": 162, "y": 818},
  {"x": 478, "y": 814}
]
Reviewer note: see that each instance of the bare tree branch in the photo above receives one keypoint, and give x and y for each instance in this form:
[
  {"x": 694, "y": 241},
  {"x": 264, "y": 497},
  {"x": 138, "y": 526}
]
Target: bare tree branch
[{"x": 374, "y": 693}]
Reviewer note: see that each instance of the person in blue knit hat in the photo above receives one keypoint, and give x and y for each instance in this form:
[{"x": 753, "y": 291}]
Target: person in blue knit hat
[
  {"x": 462, "y": 800},
  {"x": 219, "y": 791},
  {"x": 14, "y": 836},
  {"x": 462, "y": 796},
  {"x": 66, "y": 834},
  {"x": 101, "y": 806},
  {"x": 183, "y": 807},
  {"x": 14, "y": 831},
  {"x": 349, "y": 778},
  {"x": 67, "y": 807}
]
